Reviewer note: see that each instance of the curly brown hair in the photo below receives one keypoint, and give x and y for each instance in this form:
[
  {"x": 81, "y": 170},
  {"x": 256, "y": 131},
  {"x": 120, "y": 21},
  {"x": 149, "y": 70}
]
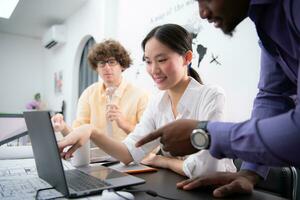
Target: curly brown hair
[{"x": 106, "y": 49}]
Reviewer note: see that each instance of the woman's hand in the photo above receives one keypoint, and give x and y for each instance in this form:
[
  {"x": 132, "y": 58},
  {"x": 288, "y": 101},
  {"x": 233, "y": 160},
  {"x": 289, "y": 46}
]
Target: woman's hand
[
  {"x": 155, "y": 161},
  {"x": 77, "y": 138}
]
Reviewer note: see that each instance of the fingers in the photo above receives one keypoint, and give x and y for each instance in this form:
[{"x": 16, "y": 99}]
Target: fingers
[
  {"x": 58, "y": 127},
  {"x": 229, "y": 184},
  {"x": 68, "y": 154},
  {"x": 190, "y": 184},
  {"x": 234, "y": 187},
  {"x": 147, "y": 160},
  {"x": 152, "y": 136},
  {"x": 225, "y": 190},
  {"x": 67, "y": 141},
  {"x": 70, "y": 151},
  {"x": 63, "y": 144},
  {"x": 112, "y": 118},
  {"x": 113, "y": 107},
  {"x": 57, "y": 118},
  {"x": 74, "y": 140},
  {"x": 113, "y": 113},
  {"x": 58, "y": 122},
  {"x": 218, "y": 178},
  {"x": 183, "y": 183}
]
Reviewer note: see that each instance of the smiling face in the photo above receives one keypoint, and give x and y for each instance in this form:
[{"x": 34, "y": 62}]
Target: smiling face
[
  {"x": 166, "y": 67},
  {"x": 225, "y": 14}
]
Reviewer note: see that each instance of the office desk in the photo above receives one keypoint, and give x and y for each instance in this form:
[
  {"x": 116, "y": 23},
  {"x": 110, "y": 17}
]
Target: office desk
[{"x": 164, "y": 182}]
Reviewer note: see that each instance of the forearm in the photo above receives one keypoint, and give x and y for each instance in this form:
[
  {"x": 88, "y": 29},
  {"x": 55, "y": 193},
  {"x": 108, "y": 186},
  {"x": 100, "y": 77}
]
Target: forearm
[
  {"x": 127, "y": 127},
  {"x": 259, "y": 141},
  {"x": 112, "y": 147},
  {"x": 67, "y": 129}
]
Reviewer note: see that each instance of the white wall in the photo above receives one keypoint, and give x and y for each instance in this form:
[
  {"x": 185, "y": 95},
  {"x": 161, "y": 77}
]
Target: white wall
[
  {"x": 21, "y": 72},
  {"x": 85, "y": 23},
  {"x": 128, "y": 21},
  {"x": 239, "y": 56}
]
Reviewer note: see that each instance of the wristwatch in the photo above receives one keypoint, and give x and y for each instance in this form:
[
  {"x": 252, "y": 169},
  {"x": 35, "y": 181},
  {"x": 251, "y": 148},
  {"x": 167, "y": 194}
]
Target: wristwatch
[{"x": 200, "y": 138}]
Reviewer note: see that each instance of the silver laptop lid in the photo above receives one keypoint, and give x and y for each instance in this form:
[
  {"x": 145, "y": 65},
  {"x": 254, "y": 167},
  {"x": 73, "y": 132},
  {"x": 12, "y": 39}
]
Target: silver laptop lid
[
  {"x": 48, "y": 161},
  {"x": 12, "y": 126},
  {"x": 45, "y": 150}
]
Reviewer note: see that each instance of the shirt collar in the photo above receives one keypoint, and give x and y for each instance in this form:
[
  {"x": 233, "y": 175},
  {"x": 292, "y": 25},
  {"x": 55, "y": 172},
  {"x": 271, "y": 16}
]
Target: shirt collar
[
  {"x": 186, "y": 102},
  {"x": 119, "y": 91}
]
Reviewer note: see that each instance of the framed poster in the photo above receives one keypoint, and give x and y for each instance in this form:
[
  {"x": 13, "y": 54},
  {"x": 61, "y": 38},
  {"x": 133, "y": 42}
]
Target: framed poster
[{"x": 58, "y": 82}]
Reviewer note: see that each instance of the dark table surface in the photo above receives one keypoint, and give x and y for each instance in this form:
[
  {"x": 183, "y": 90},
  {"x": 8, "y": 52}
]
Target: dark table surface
[{"x": 164, "y": 182}]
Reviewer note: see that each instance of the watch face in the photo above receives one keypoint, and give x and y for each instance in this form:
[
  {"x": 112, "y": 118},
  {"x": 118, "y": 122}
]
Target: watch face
[{"x": 199, "y": 139}]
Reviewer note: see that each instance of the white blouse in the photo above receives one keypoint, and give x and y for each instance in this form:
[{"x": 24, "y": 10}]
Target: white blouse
[{"x": 199, "y": 102}]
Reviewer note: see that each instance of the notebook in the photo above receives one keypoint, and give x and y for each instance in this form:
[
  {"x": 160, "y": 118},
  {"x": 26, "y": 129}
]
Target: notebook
[{"x": 74, "y": 182}]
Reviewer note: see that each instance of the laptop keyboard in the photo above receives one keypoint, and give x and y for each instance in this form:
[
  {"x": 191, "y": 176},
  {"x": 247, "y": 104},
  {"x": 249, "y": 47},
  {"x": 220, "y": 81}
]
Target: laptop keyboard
[{"x": 79, "y": 181}]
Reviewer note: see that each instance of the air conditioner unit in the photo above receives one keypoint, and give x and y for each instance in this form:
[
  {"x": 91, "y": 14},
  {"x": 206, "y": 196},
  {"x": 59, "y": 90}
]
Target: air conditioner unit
[{"x": 54, "y": 36}]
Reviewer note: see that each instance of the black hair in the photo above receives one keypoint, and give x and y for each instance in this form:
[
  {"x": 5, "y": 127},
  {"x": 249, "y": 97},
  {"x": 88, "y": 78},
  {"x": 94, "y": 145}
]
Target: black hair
[{"x": 176, "y": 38}]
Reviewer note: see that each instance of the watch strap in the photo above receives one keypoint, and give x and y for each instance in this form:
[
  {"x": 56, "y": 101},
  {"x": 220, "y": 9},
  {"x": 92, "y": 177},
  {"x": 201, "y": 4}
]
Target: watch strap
[{"x": 202, "y": 125}]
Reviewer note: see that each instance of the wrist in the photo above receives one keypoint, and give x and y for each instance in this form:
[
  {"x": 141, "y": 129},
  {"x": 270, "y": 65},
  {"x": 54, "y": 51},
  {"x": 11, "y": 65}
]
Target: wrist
[
  {"x": 126, "y": 126},
  {"x": 121, "y": 124},
  {"x": 165, "y": 161},
  {"x": 250, "y": 175},
  {"x": 93, "y": 131},
  {"x": 200, "y": 137},
  {"x": 66, "y": 130}
]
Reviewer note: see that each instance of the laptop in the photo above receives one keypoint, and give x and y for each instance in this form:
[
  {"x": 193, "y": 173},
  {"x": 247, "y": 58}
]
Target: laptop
[
  {"x": 12, "y": 126},
  {"x": 74, "y": 182}
]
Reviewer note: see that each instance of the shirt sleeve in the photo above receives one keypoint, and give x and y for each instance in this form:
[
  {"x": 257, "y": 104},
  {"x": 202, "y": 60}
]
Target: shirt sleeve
[
  {"x": 214, "y": 109},
  {"x": 145, "y": 126},
  {"x": 141, "y": 105},
  {"x": 295, "y": 6},
  {"x": 83, "y": 110},
  {"x": 268, "y": 102},
  {"x": 202, "y": 162},
  {"x": 271, "y": 136}
]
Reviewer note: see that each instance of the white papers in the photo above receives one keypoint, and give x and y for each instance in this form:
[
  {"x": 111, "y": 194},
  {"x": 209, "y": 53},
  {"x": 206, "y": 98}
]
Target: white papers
[
  {"x": 17, "y": 168},
  {"x": 15, "y": 152},
  {"x": 19, "y": 180}
]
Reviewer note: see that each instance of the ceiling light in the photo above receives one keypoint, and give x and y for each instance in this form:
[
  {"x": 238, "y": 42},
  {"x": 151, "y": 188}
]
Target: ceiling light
[{"x": 7, "y": 7}]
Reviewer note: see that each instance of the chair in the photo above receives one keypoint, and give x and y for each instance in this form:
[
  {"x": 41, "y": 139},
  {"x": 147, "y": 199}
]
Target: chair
[{"x": 281, "y": 181}]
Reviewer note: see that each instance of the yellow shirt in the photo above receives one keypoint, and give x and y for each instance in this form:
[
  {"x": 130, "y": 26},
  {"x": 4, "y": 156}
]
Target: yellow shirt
[{"x": 91, "y": 108}]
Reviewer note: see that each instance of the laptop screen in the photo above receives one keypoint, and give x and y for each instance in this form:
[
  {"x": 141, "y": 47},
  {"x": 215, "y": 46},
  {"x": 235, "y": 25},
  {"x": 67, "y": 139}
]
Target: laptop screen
[{"x": 12, "y": 126}]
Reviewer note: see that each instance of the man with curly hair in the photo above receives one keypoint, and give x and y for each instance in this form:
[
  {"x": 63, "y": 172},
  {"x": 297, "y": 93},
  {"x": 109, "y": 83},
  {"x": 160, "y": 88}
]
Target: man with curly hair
[{"x": 112, "y": 101}]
